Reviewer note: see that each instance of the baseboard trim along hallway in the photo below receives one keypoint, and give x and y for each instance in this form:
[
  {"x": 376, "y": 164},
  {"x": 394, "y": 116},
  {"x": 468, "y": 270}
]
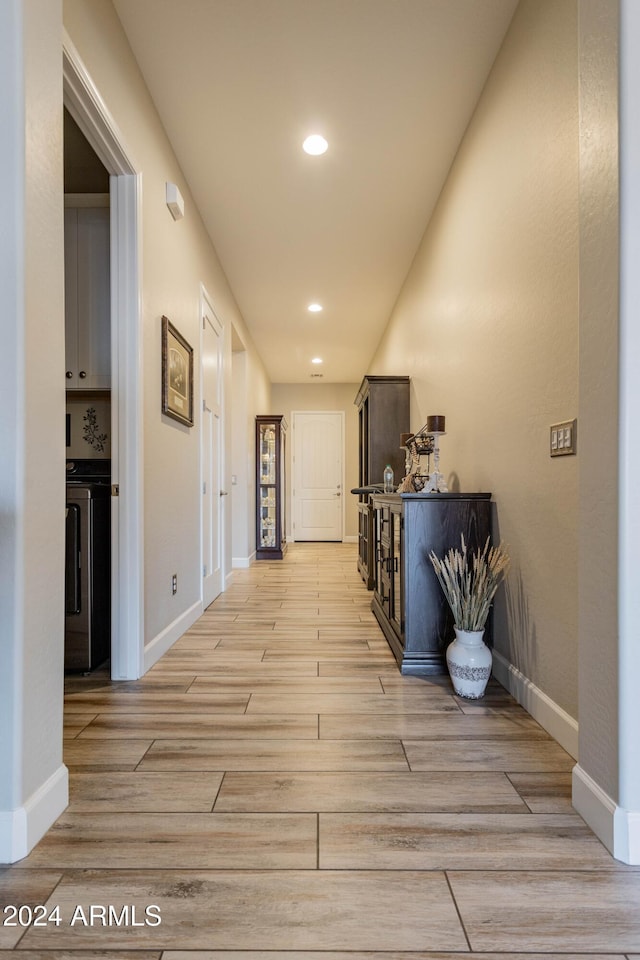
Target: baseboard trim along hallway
[{"x": 549, "y": 715}]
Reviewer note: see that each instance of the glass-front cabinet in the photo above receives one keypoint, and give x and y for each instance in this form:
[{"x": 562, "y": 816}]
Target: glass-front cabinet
[{"x": 271, "y": 541}]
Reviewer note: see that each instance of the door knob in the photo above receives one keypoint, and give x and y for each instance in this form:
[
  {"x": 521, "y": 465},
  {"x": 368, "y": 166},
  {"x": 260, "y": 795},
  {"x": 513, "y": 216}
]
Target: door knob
[{"x": 224, "y": 493}]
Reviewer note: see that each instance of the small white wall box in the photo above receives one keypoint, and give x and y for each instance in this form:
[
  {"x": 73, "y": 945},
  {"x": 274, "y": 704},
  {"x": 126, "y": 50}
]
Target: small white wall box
[{"x": 175, "y": 201}]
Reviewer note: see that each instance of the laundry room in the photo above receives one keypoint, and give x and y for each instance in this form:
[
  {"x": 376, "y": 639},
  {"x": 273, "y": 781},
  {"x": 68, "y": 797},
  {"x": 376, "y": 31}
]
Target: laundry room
[{"x": 88, "y": 404}]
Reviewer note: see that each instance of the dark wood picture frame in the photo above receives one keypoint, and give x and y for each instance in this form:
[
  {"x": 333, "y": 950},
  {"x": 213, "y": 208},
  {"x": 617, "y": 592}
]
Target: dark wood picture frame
[{"x": 177, "y": 375}]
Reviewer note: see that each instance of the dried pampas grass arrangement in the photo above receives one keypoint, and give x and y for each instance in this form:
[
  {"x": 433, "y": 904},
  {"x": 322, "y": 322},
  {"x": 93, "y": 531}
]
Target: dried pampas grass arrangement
[{"x": 470, "y": 583}]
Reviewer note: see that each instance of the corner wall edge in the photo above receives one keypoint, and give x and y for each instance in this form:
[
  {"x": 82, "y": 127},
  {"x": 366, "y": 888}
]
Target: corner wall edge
[{"x": 21, "y": 829}]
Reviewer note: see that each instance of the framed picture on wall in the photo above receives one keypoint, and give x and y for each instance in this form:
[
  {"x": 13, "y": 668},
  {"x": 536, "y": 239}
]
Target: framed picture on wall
[{"x": 177, "y": 374}]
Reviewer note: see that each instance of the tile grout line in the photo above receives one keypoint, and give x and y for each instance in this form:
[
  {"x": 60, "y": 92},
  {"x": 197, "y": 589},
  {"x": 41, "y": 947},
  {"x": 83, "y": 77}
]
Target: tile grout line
[
  {"x": 215, "y": 799},
  {"x": 457, "y": 909}
]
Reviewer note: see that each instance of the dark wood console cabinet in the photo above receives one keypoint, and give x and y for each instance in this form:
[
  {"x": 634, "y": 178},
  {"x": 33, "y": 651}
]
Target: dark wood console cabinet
[
  {"x": 408, "y": 601},
  {"x": 383, "y": 414}
]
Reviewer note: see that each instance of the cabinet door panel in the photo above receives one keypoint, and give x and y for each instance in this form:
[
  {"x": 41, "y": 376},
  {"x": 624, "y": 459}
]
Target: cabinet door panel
[
  {"x": 395, "y": 571},
  {"x": 436, "y": 526},
  {"x": 94, "y": 310},
  {"x": 71, "y": 295},
  {"x": 377, "y": 557}
]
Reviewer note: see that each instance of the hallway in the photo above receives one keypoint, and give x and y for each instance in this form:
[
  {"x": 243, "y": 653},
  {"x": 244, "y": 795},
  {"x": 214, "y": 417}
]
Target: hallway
[{"x": 274, "y": 784}]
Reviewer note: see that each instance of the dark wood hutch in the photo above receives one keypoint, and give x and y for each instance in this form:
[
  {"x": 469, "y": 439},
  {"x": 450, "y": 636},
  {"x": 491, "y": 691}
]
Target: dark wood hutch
[{"x": 383, "y": 415}]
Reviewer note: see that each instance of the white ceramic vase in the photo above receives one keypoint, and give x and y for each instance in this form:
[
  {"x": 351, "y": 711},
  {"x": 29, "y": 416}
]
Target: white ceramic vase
[{"x": 469, "y": 661}]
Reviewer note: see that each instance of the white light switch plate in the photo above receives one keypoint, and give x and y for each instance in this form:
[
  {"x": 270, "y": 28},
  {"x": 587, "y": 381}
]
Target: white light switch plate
[{"x": 562, "y": 438}]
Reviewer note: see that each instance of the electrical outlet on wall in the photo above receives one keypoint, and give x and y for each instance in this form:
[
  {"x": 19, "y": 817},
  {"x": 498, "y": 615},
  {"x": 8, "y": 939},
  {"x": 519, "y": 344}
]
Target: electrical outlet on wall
[
  {"x": 562, "y": 438},
  {"x": 174, "y": 583}
]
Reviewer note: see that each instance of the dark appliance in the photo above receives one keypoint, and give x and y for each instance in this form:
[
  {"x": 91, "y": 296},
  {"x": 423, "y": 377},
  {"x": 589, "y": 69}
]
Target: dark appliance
[{"x": 87, "y": 635}]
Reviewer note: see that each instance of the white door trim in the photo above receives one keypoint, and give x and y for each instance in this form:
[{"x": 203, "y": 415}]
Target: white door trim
[
  {"x": 206, "y": 307},
  {"x": 86, "y": 106},
  {"x": 291, "y": 467}
]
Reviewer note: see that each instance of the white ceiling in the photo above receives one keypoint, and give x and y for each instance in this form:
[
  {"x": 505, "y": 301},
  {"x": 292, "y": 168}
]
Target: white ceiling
[{"x": 391, "y": 84}]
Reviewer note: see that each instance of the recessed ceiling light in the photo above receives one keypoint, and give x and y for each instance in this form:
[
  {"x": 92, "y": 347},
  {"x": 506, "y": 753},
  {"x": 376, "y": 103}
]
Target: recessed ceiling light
[
  {"x": 314, "y": 307},
  {"x": 317, "y": 360},
  {"x": 315, "y": 145}
]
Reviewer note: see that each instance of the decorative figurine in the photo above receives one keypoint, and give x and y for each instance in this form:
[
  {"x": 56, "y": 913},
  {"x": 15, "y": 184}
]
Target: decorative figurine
[{"x": 420, "y": 444}]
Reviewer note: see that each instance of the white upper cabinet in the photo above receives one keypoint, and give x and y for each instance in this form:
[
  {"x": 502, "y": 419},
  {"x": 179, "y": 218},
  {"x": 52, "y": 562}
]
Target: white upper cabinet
[{"x": 87, "y": 298}]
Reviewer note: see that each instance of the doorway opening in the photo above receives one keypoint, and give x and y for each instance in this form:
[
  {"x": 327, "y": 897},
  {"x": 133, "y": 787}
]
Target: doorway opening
[
  {"x": 86, "y": 108},
  {"x": 212, "y": 450},
  {"x": 242, "y": 465},
  {"x": 87, "y": 641}
]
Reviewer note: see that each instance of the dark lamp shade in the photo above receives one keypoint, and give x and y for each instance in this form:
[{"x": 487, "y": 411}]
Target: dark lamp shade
[{"x": 435, "y": 424}]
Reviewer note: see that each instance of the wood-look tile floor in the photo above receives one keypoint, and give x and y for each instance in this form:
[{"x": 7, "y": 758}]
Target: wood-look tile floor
[{"x": 279, "y": 791}]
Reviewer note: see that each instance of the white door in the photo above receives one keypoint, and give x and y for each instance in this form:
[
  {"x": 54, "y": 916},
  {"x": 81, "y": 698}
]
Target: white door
[
  {"x": 317, "y": 476},
  {"x": 212, "y": 454}
]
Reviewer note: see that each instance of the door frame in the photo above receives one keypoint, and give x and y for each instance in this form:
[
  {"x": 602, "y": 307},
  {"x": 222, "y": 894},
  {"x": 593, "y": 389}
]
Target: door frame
[
  {"x": 87, "y": 108},
  {"x": 206, "y": 306},
  {"x": 291, "y": 466}
]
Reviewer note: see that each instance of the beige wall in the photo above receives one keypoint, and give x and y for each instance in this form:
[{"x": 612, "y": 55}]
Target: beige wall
[
  {"x": 287, "y": 397},
  {"x": 177, "y": 258},
  {"x": 487, "y": 327}
]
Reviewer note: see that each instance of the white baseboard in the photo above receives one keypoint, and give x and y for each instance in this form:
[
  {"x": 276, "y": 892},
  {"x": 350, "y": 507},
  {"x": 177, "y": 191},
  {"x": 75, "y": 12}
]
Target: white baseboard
[
  {"x": 627, "y": 836},
  {"x": 228, "y": 580},
  {"x": 243, "y": 563},
  {"x": 21, "y": 829},
  {"x": 350, "y": 539},
  {"x": 593, "y": 805},
  {"x": 542, "y": 708},
  {"x": 617, "y": 828},
  {"x": 167, "y": 637}
]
